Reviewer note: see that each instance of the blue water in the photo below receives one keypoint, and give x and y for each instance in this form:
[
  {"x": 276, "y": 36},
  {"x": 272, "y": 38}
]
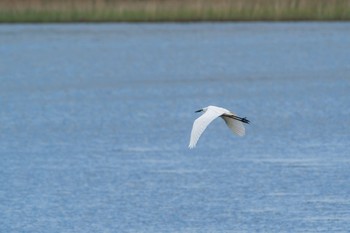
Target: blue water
[{"x": 95, "y": 122}]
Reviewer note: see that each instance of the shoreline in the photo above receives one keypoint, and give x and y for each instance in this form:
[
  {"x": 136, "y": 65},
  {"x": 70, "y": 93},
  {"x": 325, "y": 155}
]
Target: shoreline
[
  {"x": 79, "y": 11},
  {"x": 174, "y": 21}
]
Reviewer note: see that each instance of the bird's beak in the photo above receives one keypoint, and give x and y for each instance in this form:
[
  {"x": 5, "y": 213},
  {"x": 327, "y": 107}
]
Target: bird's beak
[{"x": 199, "y": 110}]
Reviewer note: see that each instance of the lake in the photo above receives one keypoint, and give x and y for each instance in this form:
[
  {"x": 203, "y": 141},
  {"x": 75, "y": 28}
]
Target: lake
[{"x": 95, "y": 123}]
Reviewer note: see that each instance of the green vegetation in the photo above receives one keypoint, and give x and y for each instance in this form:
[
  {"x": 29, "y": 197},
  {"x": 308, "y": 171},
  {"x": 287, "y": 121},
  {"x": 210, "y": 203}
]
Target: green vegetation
[{"x": 171, "y": 10}]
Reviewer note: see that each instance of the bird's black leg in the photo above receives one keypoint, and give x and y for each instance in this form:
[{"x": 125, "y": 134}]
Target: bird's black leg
[{"x": 244, "y": 119}]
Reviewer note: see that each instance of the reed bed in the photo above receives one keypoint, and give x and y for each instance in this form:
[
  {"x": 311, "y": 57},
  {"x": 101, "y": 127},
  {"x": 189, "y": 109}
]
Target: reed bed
[{"x": 171, "y": 10}]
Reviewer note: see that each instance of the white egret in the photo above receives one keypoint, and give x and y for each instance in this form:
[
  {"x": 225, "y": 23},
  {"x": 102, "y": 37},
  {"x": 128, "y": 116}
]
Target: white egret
[{"x": 234, "y": 122}]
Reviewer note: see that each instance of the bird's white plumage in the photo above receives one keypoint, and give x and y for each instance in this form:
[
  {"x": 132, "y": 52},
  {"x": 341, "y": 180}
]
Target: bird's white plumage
[
  {"x": 236, "y": 127},
  {"x": 210, "y": 114},
  {"x": 201, "y": 123}
]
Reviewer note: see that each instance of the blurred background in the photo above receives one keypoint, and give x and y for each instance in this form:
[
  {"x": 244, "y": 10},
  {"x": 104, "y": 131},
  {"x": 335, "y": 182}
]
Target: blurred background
[{"x": 171, "y": 10}]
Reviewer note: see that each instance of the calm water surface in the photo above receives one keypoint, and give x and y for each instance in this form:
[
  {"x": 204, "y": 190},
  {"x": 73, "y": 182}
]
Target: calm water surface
[{"x": 95, "y": 122}]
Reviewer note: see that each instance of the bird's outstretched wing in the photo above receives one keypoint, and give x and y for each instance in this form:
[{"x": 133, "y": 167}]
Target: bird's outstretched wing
[
  {"x": 236, "y": 126},
  {"x": 201, "y": 123}
]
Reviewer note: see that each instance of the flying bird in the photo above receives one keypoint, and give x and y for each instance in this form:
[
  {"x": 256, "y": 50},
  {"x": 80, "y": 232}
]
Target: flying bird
[{"x": 234, "y": 122}]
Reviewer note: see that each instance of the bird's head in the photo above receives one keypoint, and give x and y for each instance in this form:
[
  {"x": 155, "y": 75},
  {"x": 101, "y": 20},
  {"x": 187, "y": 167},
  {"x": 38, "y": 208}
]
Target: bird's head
[{"x": 202, "y": 110}]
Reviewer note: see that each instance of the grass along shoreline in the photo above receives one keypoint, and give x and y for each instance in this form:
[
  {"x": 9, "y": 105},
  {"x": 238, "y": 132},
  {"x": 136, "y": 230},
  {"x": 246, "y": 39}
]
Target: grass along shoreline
[{"x": 36, "y": 11}]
